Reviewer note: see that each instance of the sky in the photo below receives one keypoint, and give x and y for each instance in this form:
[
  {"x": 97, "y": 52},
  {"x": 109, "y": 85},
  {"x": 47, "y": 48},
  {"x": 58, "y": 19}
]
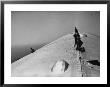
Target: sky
[
  {"x": 37, "y": 28},
  {"x": 41, "y": 27}
]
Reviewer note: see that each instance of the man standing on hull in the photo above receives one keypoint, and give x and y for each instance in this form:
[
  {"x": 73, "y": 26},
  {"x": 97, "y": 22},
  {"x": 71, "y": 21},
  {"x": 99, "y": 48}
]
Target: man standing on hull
[{"x": 78, "y": 41}]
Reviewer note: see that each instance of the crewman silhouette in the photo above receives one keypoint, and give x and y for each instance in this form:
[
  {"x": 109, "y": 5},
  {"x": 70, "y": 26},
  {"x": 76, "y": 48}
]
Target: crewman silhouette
[
  {"x": 32, "y": 50},
  {"x": 78, "y": 41},
  {"x": 76, "y": 36}
]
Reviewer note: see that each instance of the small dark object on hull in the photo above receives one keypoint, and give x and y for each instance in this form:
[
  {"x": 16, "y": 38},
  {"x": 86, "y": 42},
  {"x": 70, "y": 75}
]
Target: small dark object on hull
[
  {"x": 32, "y": 50},
  {"x": 81, "y": 49}
]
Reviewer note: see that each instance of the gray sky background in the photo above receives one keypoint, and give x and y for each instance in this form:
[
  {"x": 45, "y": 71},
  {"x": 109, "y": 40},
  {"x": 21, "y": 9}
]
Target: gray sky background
[
  {"x": 30, "y": 28},
  {"x": 36, "y": 29}
]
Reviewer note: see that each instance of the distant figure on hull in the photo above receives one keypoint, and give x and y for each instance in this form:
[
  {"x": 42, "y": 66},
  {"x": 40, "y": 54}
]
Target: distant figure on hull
[
  {"x": 78, "y": 41},
  {"x": 32, "y": 50}
]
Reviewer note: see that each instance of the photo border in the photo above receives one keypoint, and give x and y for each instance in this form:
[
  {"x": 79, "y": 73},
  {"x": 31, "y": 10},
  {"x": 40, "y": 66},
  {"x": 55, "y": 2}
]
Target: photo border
[{"x": 40, "y": 2}]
